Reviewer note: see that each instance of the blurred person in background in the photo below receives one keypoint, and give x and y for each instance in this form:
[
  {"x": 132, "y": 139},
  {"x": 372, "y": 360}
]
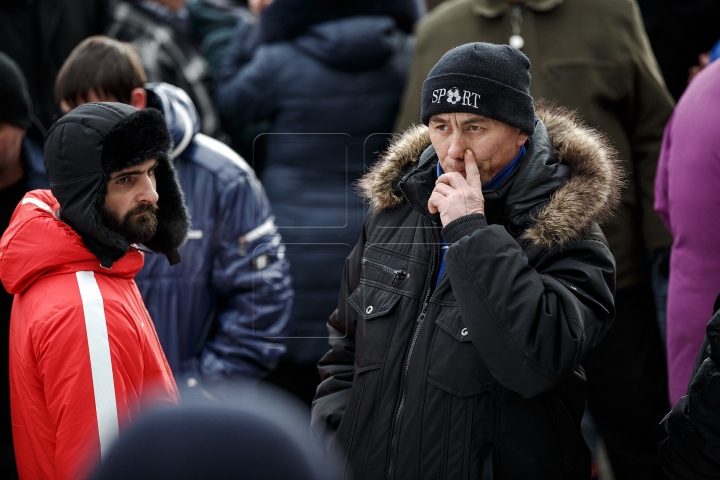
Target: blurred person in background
[
  {"x": 240, "y": 431},
  {"x": 680, "y": 30},
  {"x": 329, "y": 76},
  {"x": 245, "y": 137},
  {"x": 39, "y": 35},
  {"x": 85, "y": 360},
  {"x": 160, "y": 29},
  {"x": 21, "y": 170},
  {"x": 687, "y": 197},
  {"x": 592, "y": 56},
  {"x": 704, "y": 59},
  {"x": 213, "y": 23},
  {"x": 217, "y": 314}
]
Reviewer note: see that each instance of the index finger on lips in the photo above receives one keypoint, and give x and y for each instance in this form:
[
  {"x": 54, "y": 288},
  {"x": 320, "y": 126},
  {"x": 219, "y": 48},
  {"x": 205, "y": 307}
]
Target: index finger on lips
[{"x": 471, "y": 169}]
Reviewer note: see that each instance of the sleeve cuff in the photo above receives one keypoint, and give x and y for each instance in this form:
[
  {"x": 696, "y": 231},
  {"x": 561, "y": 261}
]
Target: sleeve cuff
[{"x": 462, "y": 226}]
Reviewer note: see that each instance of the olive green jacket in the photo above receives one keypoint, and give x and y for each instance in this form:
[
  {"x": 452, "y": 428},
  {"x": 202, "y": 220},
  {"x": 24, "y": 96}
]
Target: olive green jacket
[{"x": 589, "y": 55}]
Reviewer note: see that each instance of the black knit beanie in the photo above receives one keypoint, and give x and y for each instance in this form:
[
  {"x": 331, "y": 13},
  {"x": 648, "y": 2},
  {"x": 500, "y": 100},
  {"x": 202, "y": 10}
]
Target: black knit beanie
[
  {"x": 482, "y": 78},
  {"x": 15, "y": 103}
]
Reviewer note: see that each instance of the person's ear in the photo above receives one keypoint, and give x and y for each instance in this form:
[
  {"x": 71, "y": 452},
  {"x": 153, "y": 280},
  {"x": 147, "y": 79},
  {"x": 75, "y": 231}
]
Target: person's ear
[
  {"x": 138, "y": 98},
  {"x": 522, "y": 138}
]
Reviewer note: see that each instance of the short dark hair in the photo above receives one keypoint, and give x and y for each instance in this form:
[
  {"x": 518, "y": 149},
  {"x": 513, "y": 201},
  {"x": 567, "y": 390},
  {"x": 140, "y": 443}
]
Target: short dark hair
[{"x": 103, "y": 65}]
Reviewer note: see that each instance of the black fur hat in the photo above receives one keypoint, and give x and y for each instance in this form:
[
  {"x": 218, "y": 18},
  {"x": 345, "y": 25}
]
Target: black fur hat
[{"x": 95, "y": 140}]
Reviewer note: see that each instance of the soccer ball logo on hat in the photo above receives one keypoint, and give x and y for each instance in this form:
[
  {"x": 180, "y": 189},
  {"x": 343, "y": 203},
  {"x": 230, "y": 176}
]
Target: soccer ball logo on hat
[{"x": 453, "y": 95}]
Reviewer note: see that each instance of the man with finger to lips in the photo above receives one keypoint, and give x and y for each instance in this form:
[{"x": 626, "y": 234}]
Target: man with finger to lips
[{"x": 480, "y": 281}]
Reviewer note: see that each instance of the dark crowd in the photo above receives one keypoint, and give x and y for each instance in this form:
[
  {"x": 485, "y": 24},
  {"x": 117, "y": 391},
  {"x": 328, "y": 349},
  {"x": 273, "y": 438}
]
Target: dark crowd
[{"x": 319, "y": 239}]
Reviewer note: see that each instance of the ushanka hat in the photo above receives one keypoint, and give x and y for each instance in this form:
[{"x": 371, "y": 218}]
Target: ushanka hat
[
  {"x": 90, "y": 143},
  {"x": 481, "y": 78}
]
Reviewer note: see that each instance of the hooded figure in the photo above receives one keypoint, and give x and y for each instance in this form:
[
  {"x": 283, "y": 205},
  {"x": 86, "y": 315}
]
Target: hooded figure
[
  {"x": 85, "y": 358},
  {"x": 329, "y": 76},
  {"x": 120, "y": 136}
]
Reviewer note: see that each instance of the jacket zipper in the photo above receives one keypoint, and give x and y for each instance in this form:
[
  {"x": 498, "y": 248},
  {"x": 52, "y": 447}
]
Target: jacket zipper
[
  {"x": 398, "y": 274},
  {"x": 416, "y": 333}
]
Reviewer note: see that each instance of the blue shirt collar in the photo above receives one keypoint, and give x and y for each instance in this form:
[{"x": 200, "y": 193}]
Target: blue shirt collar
[{"x": 500, "y": 177}]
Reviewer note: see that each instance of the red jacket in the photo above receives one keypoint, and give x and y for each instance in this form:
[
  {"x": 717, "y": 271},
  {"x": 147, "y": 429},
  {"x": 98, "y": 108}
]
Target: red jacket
[{"x": 84, "y": 356}]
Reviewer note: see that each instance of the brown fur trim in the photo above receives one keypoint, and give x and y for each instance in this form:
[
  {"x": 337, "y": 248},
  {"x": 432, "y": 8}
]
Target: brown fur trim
[
  {"x": 590, "y": 194},
  {"x": 375, "y": 187}
]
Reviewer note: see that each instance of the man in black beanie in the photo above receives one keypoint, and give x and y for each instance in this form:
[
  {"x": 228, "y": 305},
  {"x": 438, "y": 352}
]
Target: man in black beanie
[
  {"x": 85, "y": 359},
  {"x": 480, "y": 280},
  {"x": 21, "y": 169}
]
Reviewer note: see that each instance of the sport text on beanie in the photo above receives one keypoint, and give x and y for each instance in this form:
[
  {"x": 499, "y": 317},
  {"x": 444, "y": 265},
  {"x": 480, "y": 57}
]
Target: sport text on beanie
[{"x": 481, "y": 78}]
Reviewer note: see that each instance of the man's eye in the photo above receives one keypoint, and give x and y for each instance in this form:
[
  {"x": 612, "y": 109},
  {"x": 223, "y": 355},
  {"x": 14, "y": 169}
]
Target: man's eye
[
  {"x": 474, "y": 128},
  {"x": 442, "y": 128},
  {"x": 122, "y": 181}
]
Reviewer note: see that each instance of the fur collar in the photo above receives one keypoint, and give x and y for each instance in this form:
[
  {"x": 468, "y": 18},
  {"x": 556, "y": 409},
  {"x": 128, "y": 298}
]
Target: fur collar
[{"x": 589, "y": 195}]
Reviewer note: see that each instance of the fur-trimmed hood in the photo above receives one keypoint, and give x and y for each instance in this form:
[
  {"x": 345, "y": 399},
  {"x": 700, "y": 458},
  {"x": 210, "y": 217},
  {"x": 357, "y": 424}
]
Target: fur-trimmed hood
[
  {"x": 557, "y": 212},
  {"x": 85, "y": 146}
]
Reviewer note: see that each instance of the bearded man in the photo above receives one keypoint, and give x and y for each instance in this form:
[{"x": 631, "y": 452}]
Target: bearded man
[{"x": 85, "y": 359}]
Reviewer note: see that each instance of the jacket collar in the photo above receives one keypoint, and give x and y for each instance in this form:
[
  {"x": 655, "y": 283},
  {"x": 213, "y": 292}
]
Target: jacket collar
[
  {"x": 38, "y": 244},
  {"x": 570, "y": 179},
  {"x": 497, "y": 8}
]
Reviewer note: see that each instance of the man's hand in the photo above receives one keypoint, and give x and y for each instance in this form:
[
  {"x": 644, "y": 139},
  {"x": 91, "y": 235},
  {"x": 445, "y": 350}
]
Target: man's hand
[{"x": 455, "y": 196}]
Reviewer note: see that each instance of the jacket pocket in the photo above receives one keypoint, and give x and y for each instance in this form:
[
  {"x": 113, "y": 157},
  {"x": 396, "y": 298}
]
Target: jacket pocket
[
  {"x": 375, "y": 324},
  {"x": 455, "y": 365},
  {"x": 342, "y": 443},
  {"x": 391, "y": 273},
  {"x": 463, "y": 389}
]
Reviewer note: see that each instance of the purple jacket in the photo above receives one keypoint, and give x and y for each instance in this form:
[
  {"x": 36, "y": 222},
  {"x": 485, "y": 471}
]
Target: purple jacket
[{"x": 687, "y": 198}]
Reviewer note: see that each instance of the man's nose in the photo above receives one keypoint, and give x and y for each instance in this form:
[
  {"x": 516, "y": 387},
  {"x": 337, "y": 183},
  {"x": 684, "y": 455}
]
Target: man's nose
[
  {"x": 147, "y": 192},
  {"x": 458, "y": 145}
]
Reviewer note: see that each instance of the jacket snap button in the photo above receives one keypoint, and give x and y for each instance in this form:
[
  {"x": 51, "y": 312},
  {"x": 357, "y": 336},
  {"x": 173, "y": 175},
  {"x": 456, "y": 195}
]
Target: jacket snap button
[
  {"x": 464, "y": 332},
  {"x": 369, "y": 310}
]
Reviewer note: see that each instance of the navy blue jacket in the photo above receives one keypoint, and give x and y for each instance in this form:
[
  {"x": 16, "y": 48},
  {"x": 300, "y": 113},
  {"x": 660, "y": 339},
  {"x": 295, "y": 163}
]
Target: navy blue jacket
[
  {"x": 218, "y": 312},
  {"x": 332, "y": 94}
]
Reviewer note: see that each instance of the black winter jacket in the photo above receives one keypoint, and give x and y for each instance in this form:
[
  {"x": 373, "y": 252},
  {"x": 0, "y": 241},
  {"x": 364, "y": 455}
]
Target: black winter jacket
[
  {"x": 689, "y": 436},
  {"x": 479, "y": 377}
]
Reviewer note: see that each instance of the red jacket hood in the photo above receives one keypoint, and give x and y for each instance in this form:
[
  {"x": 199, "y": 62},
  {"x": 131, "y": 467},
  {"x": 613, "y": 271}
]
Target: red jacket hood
[{"x": 38, "y": 244}]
